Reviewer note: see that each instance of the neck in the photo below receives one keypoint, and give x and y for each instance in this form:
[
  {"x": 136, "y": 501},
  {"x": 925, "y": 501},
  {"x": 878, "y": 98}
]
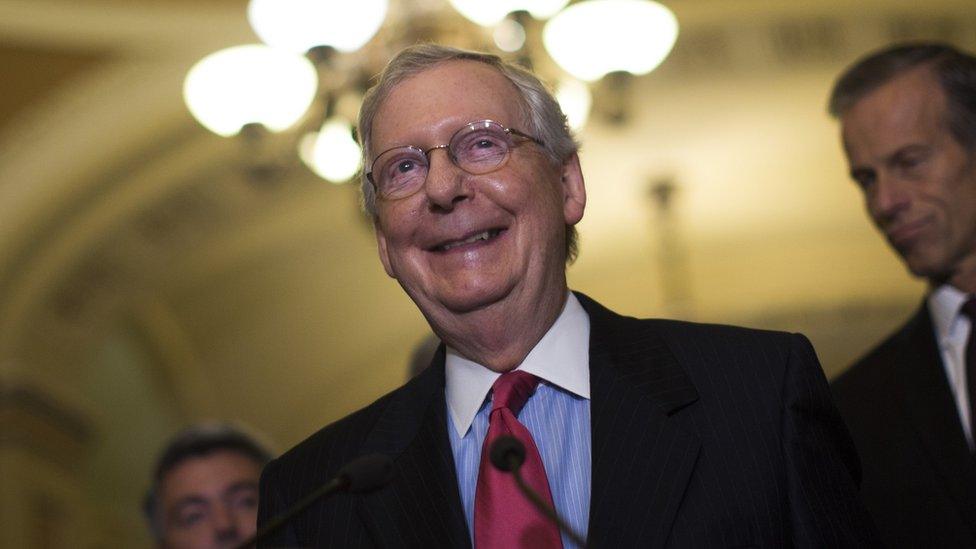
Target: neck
[
  {"x": 501, "y": 335},
  {"x": 963, "y": 278},
  {"x": 964, "y": 284}
]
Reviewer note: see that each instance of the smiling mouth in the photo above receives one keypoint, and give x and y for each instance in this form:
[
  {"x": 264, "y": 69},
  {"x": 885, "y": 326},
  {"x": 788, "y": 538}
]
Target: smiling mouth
[
  {"x": 483, "y": 236},
  {"x": 906, "y": 234}
]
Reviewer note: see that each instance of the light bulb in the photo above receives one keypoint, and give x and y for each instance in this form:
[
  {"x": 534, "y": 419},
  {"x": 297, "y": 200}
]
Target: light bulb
[
  {"x": 509, "y": 35},
  {"x": 575, "y": 100},
  {"x": 595, "y": 37},
  {"x": 491, "y": 12},
  {"x": 300, "y": 25},
  {"x": 249, "y": 84},
  {"x": 331, "y": 152}
]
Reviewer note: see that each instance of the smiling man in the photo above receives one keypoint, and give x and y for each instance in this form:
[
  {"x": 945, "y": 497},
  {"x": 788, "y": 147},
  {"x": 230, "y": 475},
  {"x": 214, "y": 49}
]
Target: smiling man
[
  {"x": 908, "y": 118},
  {"x": 639, "y": 433}
]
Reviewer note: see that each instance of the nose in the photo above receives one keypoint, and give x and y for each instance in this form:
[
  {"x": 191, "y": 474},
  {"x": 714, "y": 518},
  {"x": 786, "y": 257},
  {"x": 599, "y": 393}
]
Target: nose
[
  {"x": 888, "y": 197},
  {"x": 446, "y": 183},
  {"x": 224, "y": 524}
]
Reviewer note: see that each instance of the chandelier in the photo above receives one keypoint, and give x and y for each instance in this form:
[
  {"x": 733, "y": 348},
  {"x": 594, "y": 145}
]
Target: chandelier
[{"x": 303, "y": 84}]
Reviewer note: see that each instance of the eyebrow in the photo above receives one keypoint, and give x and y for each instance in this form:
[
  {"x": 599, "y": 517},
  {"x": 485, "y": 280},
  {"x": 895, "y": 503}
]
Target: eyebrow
[
  {"x": 240, "y": 486},
  {"x": 909, "y": 149}
]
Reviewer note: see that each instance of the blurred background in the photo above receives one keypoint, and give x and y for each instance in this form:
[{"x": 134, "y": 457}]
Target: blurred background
[{"x": 153, "y": 273}]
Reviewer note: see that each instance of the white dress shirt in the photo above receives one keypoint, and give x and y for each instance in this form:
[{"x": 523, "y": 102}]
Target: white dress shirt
[
  {"x": 952, "y": 331},
  {"x": 557, "y": 416},
  {"x": 562, "y": 357}
]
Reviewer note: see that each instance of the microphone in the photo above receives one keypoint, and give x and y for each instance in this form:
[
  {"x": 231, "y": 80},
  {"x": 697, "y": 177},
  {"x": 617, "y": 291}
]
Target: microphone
[
  {"x": 507, "y": 454},
  {"x": 360, "y": 476}
]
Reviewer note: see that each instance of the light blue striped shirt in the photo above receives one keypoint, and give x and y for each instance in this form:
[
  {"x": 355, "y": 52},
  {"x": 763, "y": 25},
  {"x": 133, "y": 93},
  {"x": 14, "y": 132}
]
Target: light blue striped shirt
[{"x": 557, "y": 415}]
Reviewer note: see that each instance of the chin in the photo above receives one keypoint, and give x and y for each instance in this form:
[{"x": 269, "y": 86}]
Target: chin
[
  {"x": 471, "y": 299},
  {"x": 468, "y": 303},
  {"x": 928, "y": 269}
]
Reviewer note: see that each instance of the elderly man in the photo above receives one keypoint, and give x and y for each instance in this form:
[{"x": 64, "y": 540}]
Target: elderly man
[
  {"x": 908, "y": 117},
  {"x": 641, "y": 433},
  {"x": 205, "y": 488}
]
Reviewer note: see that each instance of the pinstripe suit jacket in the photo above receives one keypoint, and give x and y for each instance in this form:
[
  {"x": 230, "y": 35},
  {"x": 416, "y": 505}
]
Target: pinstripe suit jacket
[
  {"x": 919, "y": 475},
  {"x": 703, "y": 436}
]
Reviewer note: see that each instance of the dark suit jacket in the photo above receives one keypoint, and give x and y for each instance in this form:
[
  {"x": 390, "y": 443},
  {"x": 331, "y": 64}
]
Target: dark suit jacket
[
  {"x": 919, "y": 476},
  {"x": 703, "y": 436}
]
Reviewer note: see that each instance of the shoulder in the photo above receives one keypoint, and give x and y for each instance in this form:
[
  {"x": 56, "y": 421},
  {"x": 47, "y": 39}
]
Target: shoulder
[
  {"x": 691, "y": 340},
  {"x": 871, "y": 390},
  {"x": 747, "y": 362},
  {"x": 319, "y": 457},
  {"x": 723, "y": 347},
  {"x": 726, "y": 338},
  {"x": 706, "y": 353}
]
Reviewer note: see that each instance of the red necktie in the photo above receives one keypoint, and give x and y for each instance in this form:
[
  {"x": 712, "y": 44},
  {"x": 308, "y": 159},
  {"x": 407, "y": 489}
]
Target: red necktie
[
  {"x": 503, "y": 517},
  {"x": 969, "y": 309}
]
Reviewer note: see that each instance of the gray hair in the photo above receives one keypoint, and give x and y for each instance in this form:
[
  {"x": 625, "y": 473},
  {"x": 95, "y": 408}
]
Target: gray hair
[
  {"x": 193, "y": 442},
  {"x": 546, "y": 120},
  {"x": 954, "y": 70}
]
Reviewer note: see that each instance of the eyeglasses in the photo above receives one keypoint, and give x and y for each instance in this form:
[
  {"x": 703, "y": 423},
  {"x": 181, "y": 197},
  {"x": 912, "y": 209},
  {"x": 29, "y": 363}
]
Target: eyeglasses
[{"x": 477, "y": 148}]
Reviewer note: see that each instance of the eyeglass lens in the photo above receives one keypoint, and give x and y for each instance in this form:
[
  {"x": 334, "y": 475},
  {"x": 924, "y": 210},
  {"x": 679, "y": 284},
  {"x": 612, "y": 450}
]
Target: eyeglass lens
[{"x": 476, "y": 148}]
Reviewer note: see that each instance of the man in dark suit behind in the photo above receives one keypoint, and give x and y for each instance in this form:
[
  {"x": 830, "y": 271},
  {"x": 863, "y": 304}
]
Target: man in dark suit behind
[
  {"x": 908, "y": 117},
  {"x": 644, "y": 433}
]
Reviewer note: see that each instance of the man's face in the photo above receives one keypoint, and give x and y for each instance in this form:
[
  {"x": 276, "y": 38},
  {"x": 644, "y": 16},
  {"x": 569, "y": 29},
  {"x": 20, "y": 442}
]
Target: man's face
[
  {"x": 210, "y": 501},
  {"x": 425, "y": 240},
  {"x": 919, "y": 183}
]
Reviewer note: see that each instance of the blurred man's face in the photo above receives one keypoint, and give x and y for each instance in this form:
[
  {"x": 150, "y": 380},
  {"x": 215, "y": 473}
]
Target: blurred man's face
[
  {"x": 465, "y": 242},
  {"x": 210, "y": 501},
  {"x": 919, "y": 183}
]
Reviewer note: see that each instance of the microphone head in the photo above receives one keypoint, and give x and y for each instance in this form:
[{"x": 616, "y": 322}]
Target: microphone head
[
  {"x": 367, "y": 473},
  {"x": 507, "y": 454}
]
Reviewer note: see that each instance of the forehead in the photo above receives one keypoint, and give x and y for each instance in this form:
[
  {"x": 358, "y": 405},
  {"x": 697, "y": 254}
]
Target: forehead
[
  {"x": 909, "y": 107},
  {"x": 426, "y": 108},
  {"x": 208, "y": 474}
]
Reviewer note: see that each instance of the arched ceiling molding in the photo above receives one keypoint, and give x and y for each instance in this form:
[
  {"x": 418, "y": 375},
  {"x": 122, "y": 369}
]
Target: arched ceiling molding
[
  {"x": 47, "y": 263},
  {"x": 296, "y": 219},
  {"x": 56, "y": 155},
  {"x": 137, "y": 28},
  {"x": 83, "y": 126},
  {"x": 179, "y": 371},
  {"x": 46, "y": 417}
]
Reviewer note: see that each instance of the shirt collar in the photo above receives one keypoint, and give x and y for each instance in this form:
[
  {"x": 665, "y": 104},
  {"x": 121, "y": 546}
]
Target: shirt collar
[
  {"x": 944, "y": 306},
  {"x": 560, "y": 358}
]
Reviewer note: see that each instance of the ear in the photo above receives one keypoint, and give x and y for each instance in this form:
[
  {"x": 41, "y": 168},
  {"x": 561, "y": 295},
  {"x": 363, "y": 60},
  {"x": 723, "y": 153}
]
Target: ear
[
  {"x": 574, "y": 190},
  {"x": 382, "y": 248}
]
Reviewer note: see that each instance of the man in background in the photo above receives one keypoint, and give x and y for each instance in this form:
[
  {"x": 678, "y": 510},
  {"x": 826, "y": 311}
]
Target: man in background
[
  {"x": 204, "y": 492},
  {"x": 908, "y": 119}
]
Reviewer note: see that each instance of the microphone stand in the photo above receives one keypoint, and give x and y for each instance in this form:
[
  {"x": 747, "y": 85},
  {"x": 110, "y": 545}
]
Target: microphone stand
[
  {"x": 335, "y": 485},
  {"x": 362, "y": 475},
  {"x": 515, "y": 466}
]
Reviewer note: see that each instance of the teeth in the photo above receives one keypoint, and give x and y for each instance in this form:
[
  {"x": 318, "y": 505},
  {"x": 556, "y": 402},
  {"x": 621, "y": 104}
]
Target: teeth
[{"x": 480, "y": 236}]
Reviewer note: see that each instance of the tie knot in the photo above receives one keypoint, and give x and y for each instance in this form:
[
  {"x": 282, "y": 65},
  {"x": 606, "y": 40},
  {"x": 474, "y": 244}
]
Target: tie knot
[
  {"x": 512, "y": 390},
  {"x": 969, "y": 308}
]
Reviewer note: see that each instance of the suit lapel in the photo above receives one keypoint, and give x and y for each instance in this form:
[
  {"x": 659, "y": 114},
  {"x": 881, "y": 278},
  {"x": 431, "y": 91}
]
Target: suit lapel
[
  {"x": 642, "y": 458},
  {"x": 422, "y": 506},
  {"x": 932, "y": 411}
]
